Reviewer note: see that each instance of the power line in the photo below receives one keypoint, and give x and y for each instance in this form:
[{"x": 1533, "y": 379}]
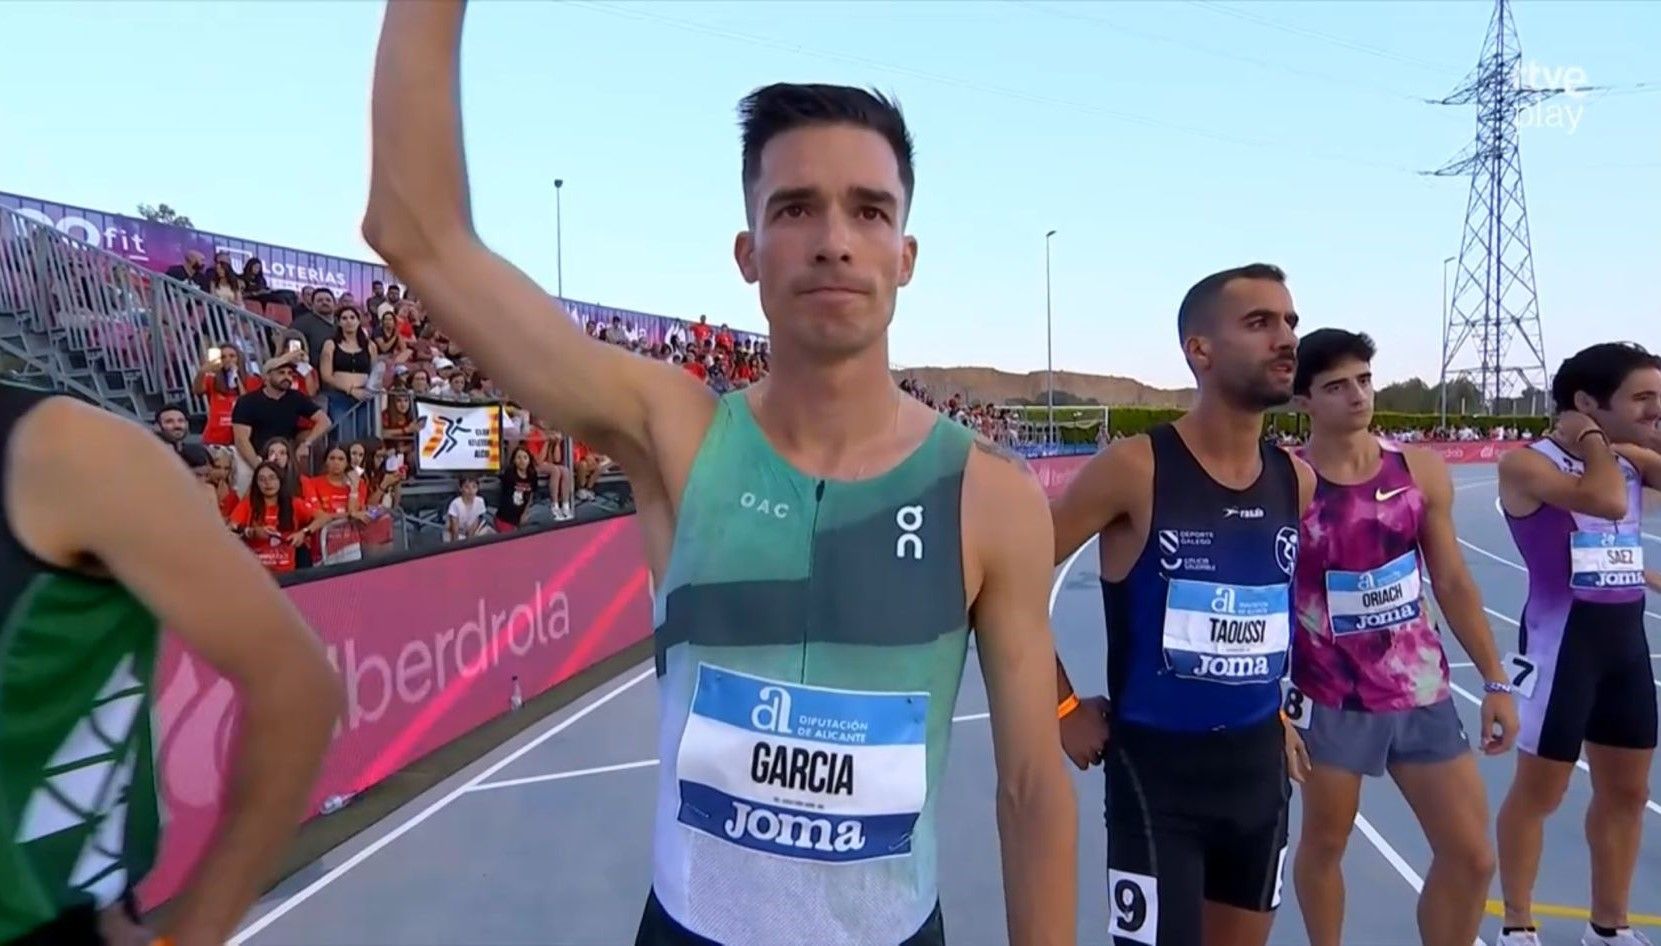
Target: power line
[
  {"x": 1367, "y": 48},
  {"x": 1324, "y": 77},
  {"x": 975, "y": 86}
]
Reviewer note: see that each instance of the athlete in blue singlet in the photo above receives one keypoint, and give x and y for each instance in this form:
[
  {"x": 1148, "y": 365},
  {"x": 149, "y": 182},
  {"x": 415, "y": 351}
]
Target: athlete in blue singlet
[
  {"x": 1198, "y": 529},
  {"x": 1582, "y": 670}
]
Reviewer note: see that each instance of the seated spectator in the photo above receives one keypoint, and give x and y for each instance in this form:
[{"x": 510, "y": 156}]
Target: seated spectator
[
  {"x": 292, "y": 344},
  {"x": 586, "y": 468},
  {"x": 220, "y": 379},
  {"x": 467, "y": 516},
  {"x": 388, "y": 470},
  {"x": 547, "y": 449},
  {"x": 193, "y": 271},
  {"x": 223, "y": 282},
  {"x": 200, "y": 463},
  {"x": 222, "y": 477},
  {"x": 398, "y": 421},
  {"x": 280, "y": 454},
  {"x": 276, "y": 410},
  {"x": 390, "y": 344},
  {"x": 172, "y": 425},
  {"x": 271, "y": 521},
  {"x": 518, "y": 485}
]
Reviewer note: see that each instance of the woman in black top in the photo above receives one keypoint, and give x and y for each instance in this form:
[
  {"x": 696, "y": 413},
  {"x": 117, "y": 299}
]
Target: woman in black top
[{"x": 518, "y": 483}]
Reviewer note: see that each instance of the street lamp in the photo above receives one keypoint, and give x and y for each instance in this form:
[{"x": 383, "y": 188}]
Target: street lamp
[
  {"x": 559, "y": 242},
  {"x": 1049, "y": 344},
  {"x": 1442, "y": 388}
]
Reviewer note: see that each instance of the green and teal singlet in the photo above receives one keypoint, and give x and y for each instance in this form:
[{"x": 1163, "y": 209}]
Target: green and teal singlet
[
  {"x": 79, "y": 818},
  {"x": 811, "y": 636}
]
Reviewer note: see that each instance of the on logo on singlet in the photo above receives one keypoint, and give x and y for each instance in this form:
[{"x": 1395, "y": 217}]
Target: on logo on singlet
[
  {"x": 808, "y": 773},
  {"x": 1384, "y": 598}
]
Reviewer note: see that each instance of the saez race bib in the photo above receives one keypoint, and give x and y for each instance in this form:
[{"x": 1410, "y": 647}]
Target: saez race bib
[
  {"x": 1606, "y": 560},
  {"x": 1227, "y": 633},
  {"x": 808, "y": 773},
  {"x": 1383, "y": 598}
]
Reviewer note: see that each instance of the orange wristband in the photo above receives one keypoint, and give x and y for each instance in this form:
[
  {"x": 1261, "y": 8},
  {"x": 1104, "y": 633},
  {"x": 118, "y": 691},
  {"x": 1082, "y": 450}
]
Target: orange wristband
[{"x": 1067, "y": 706}]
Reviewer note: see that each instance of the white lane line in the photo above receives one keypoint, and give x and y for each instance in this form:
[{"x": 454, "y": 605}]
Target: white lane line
[
  {"x": 282, "y": 909},
  {"x": 624, "y": 767},
  {"x": 1475, "y": 483},
  {"x": 1579, "y": 763},
  {"x": 311, "y": 890},
  {"x": 1507, "y": 562},
  {"x": 1066, "y": 569}
]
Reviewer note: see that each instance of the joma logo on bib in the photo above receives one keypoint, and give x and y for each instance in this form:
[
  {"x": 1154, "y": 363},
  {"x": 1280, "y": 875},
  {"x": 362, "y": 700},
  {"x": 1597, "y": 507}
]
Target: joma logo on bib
[
  {"x": 1231, "y": 667},
  {"x": 787, "y": 830}
]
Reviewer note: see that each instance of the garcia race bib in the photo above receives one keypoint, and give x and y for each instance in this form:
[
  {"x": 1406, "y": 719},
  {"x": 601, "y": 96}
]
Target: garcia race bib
[{"x": 808, "y": 773}]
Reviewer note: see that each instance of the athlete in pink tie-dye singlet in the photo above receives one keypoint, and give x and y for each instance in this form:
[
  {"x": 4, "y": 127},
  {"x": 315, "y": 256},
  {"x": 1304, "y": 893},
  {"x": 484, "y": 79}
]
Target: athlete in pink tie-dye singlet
[{"x": 1365, "y": 639}]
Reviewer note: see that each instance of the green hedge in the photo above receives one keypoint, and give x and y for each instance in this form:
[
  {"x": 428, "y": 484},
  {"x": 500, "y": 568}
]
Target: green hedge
[{"x": 1074, "y": 425}]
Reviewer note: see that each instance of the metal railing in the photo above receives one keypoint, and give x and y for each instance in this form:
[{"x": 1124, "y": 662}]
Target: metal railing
[{"x": 150, "y": 330}]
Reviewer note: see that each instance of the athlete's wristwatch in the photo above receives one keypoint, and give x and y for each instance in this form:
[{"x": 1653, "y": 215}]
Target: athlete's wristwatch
[{"x": 1489, "y": 686}]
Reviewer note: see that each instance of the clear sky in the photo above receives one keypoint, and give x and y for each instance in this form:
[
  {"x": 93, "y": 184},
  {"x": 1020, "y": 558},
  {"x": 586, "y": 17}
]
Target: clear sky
[{"x": 1163, "y": 141}]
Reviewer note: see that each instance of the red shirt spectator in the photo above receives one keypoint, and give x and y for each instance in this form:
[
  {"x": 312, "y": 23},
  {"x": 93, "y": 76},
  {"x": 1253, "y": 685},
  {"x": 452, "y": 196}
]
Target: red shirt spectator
[
  {"x": 271, "y": 521},
  {"x": 222, "y": 381}
]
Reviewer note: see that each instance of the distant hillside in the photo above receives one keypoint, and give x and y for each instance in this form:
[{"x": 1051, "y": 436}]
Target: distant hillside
[{"x": 989, "y": 385}]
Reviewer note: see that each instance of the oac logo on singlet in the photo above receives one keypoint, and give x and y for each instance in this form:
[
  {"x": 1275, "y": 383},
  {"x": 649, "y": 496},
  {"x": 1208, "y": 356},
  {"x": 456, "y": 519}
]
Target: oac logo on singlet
[
  {"x": 807, "y": 773},
  {"x": 1286, "y": 548}
]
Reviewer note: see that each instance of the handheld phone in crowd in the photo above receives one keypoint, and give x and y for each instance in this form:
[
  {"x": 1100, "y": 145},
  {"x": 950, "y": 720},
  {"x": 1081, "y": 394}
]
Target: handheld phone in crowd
[
  {"x": 294, "y": 344},
  {"x": 395, "y": 463},
  {"x": 214, "y": 354}
]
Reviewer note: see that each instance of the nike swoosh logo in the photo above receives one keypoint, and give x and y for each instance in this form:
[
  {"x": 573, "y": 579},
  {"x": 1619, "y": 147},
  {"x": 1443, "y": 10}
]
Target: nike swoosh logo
[{"x": 1384, "y": 497}]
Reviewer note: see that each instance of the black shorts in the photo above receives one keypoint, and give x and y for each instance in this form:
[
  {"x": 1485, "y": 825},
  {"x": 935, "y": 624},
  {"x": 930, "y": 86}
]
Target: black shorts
[
  {"x": 1594, "y": 682},
  {"x": 1192, "y": 817},
  {"x": 658, "y": 928}
]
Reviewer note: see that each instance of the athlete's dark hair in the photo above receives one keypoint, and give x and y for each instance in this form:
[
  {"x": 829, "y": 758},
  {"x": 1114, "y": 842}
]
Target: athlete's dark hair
[
  {"x": 1599, "y": 371},
  {"x": 1323, "y": 348},
  {"x": 772, "y": 110},
  {"x": 1196, "y": 315}
]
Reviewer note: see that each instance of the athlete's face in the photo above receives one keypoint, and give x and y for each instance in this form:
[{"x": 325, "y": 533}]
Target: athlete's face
[
  {"x": 1634, "y": 410},
  {"x": 827, "y": 245},
  {"x": 1340, "y": 400},
  {"x": 1249, "y": 352}
]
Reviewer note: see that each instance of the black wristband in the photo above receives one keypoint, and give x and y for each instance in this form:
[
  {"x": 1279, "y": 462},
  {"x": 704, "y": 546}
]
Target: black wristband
[{"x": 1592, "y": 430}]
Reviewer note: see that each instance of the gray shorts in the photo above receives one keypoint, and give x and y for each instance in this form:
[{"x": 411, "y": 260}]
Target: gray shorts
[{"x": 1368, "y": 743}]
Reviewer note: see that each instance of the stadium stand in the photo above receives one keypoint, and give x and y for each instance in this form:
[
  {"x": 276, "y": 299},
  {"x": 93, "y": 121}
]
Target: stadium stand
[{"x": 325, "y": 385}]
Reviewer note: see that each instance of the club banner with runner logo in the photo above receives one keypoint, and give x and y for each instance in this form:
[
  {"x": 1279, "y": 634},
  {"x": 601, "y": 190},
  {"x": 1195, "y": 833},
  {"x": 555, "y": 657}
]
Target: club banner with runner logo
[{"x": 458, "y": 438}]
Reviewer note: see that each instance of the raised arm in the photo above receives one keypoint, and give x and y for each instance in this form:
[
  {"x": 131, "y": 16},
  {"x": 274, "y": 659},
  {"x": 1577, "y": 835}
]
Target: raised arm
[
  {"x": 1036, "y": 809},
  {"x": 1528, "y": 479},
  {"x": 289, "y": 696},
  {"x": 420, "y": 220}
]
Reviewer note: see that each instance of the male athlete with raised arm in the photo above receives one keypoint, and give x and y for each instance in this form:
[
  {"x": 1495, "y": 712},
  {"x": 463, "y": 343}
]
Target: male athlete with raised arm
[
  {"x": 92, "y": 567},
  {"x": 821, "y": 542},
  {"x": 1574, "y": 502},
  {"x": 1370, "y": 690},
  {"x": 1198, "y": 529}
]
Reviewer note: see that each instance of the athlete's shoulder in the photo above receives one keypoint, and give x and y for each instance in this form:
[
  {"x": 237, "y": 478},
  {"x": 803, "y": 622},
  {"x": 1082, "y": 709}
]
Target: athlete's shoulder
[{"x": 992, "y": 450}]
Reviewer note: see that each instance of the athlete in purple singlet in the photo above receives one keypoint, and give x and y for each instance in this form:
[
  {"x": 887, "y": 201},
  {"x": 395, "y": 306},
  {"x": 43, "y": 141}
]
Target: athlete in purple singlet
[
  {"x": 1582, "y": 670},
  {"x": 1369, "y": 678}
]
